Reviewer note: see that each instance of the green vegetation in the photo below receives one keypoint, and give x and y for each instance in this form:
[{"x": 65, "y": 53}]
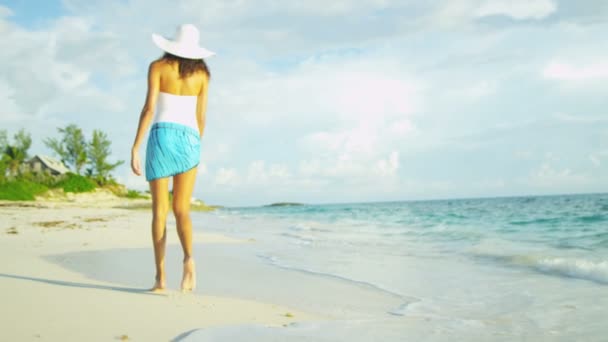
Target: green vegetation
[
  {"x": 134, "y": 194},
  {"x": 76, "y": 183},
  {"x": 23, "y": 178},
  {"x": 21, "y": 190},
  {"x": 71, "y": 148},
  {"x": 27, "y": 187},
  {"x": 3, "y": 146},
  {"x": 98, "y": 151},
  {"x": 13, "y": 155},
  {"x": 20, "y": 180}
]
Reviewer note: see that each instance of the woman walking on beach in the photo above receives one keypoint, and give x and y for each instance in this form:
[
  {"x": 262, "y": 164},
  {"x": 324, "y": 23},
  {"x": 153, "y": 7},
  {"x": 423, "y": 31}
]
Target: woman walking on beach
[{"x": 177, "y": 92}]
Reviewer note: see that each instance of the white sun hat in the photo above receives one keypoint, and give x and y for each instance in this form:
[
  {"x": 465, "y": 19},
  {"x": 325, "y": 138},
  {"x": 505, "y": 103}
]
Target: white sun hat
[{"x": 185, "y": 44}]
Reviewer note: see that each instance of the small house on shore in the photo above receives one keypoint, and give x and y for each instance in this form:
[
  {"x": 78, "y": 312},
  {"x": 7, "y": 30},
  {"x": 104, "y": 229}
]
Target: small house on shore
[{"x": 41, "y": 163}]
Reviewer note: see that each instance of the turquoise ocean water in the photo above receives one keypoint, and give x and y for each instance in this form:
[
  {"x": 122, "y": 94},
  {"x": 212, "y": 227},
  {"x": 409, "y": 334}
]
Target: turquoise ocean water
[{"x": 525, "y": 267}]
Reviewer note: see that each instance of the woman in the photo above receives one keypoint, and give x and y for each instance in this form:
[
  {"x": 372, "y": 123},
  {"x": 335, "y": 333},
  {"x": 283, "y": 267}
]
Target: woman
[{"x": 177, "y": 85}]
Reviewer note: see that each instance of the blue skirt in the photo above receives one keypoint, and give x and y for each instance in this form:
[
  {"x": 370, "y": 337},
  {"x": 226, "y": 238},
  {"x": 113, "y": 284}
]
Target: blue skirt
[{"x": 172, "y": 149}]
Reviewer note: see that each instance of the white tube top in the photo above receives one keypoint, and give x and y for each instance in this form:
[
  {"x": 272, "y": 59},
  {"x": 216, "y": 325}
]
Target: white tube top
[{"x": 180, "y": 109}]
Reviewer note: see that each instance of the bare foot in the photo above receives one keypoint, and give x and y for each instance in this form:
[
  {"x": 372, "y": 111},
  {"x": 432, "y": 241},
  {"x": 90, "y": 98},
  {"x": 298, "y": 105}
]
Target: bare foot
[
  {"x": 189, "y": 278},
  {"x": 159, "y": 285}
]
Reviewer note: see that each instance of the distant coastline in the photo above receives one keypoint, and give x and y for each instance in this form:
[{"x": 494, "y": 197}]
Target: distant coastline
[{"x": 284, "y": 204}]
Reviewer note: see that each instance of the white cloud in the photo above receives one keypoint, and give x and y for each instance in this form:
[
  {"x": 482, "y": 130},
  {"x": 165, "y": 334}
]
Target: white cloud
[
  {"x": 517, "y": 9},
  {"x": 333, "y": 8},
  {"x": 216, "y": 149},
  {"x": 551, "y": 157},
  {"x": 401, "y": 127},
  {"x": 227, "y": 176},
  {"x": 462, "y": 13},
  {"x": 563, "y": 71},
  {"x": 547, "y": 176},
  {"x": 278, "y": 171},
  {"x": 260, "y": 28},
  {"x": 388, "y": 167},
  {"x": 355, "y": 143},
  {"x": 9, "y": 110},
  {"x": 524, "y": 154},
  {"x": 357, "y": 153},
  {"x": 309, "y": 168},
  {"x": 451, "y": 13},
  {"x": 202, "y": 169},
  {"x": 362, "y": 105},
  {"x": 597, "y": 157},
  {"x": 258, "y": 174},
  {"x": 373, "y": 172},
  {"x": 48, "y": 72},
  {"x": 343, "y": 89},
  {"x": 336, "y": 97}
]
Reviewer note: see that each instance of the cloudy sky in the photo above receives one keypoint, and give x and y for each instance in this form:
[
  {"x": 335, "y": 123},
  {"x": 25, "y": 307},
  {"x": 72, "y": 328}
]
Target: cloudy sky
[{"x": 335, "y": 101}]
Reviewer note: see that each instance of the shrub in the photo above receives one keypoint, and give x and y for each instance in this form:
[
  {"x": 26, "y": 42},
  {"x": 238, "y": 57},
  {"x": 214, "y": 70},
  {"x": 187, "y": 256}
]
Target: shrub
[
  {"x": 21, "y": 190},
  {"x": 43, "y": 178},
  {"x": 134, "y": 194},
  {"x": 76, "y": 183}
]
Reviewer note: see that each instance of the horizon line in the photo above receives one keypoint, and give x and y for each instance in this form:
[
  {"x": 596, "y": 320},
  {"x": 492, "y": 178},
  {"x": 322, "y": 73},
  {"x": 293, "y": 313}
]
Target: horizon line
[{"x": 423, "y": 200}]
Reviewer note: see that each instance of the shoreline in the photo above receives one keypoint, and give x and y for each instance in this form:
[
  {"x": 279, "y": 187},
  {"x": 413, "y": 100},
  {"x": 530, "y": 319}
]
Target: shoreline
[
  {"x": 50, "y": 299},
  {"x": 79, "y": 272}
]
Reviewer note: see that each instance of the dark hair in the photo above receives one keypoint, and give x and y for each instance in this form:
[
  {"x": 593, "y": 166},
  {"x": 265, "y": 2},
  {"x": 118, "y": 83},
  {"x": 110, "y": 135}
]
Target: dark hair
[{"x": 187, "y": 66}]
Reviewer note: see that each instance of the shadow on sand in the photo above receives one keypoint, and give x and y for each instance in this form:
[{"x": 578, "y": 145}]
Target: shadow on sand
[
  {"x": 81, "y": 285},
  {"x": 182, "y": 336}
]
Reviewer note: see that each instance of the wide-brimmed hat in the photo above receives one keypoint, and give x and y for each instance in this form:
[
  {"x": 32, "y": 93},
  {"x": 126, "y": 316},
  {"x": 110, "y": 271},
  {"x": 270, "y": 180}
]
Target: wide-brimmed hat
[{"x": 185, "y": 44}]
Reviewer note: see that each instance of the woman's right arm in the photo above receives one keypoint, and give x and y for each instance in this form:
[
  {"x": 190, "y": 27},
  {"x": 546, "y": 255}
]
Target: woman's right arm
[{"x": 146, "y": 115}]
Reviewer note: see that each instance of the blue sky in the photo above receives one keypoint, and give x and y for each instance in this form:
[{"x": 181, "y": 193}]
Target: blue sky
[{"x": 340, "y": 101}]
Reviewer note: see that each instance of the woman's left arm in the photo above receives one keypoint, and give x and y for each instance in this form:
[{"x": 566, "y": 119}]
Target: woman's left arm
[{"x": 201, "y": 106}]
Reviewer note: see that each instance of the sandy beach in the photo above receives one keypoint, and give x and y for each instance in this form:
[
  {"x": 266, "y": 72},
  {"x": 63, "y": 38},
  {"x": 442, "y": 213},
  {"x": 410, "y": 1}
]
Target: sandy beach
[
  {"x": 58, "y": 279},
  {"x": 79, "y": 271}
]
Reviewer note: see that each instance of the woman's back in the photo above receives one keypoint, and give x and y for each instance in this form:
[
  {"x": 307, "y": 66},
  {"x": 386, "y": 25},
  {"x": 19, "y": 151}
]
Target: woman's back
[
  {"x": 179, "y": 92},
  {"x": 171, "y": 82}
]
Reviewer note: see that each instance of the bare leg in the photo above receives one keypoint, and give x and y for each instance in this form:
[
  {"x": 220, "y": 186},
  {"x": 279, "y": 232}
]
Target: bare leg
[
  {"x": 160, "y": 208},
  {"x": 183, "y": 185}
]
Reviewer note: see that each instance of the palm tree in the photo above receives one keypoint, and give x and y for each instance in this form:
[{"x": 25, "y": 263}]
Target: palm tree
[
  {"x": 13, "y": 157},
  {"x": 15, "y": 154}
]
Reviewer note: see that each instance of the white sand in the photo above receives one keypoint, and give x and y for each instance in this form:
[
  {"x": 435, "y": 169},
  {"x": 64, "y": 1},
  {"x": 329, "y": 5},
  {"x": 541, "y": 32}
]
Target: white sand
[{"x": 43, "y": 299}]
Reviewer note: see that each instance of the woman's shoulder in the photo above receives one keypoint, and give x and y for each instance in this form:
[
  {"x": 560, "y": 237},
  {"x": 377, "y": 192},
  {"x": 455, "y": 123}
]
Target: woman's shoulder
[
  {"x": 155, "y": 66},
  {"x": 160, "y": 63},
  {"x": 162, "y": 67}
]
